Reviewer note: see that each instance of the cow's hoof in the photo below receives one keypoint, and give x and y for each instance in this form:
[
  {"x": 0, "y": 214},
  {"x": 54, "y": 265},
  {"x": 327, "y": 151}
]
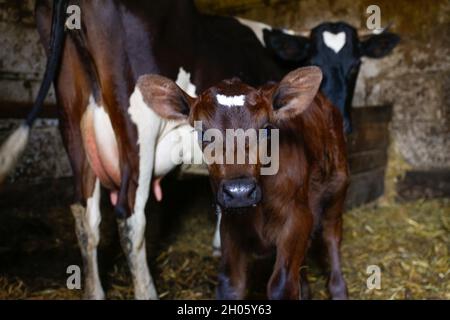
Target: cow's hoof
[
  {"x": 94, "y": 296},
  {"x": 217, "y": 253}
]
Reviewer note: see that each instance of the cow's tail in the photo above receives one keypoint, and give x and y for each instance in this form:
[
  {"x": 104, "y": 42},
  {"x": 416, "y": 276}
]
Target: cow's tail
[{"x": 15, "y": 144}]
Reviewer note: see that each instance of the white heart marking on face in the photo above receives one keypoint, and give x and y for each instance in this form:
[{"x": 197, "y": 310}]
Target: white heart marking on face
[{"x": 334, "y": 41}]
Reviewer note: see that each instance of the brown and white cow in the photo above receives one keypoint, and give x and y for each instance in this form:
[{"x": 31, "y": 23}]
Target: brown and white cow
[
  {"x": 112, "y": 137},
  {"x": 265, "y": 213}
]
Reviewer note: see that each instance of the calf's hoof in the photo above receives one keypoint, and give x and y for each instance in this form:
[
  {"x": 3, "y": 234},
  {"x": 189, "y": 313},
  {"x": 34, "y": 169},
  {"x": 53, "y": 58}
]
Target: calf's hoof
[
  {"x": 305, "y": 292},
  {"x": 338, "y": 290}
]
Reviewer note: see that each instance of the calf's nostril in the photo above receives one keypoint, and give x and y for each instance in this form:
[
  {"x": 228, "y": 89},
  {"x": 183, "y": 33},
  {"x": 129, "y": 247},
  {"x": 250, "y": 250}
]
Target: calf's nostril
[
  {"x": 250, "y": 190},
  {"x": 229, "y": 191}
]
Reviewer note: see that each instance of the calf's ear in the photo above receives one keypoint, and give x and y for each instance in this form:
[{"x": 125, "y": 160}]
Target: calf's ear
[
  {"x": 165, "y": 97},
  {"x": 379, "y": 45},
  {"x": 296, "y": 92},
  {"x": 288, "y": 48}
]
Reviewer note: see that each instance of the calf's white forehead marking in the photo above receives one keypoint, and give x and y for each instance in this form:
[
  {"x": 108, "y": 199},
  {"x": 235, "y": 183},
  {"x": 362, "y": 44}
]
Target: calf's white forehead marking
[
  {"x": 184, "y": 82},
  {"x": 334, "y": 41},
  {"x": 231, "y": 101}
]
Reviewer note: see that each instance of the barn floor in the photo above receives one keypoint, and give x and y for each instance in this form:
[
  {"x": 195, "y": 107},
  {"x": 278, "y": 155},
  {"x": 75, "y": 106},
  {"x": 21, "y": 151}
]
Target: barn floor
[{"x": 408, "y": 241}]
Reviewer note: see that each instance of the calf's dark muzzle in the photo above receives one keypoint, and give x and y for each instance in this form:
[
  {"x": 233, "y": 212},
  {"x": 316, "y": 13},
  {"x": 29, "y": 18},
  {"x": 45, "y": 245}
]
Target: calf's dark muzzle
[{"x": 238, "y": 193}]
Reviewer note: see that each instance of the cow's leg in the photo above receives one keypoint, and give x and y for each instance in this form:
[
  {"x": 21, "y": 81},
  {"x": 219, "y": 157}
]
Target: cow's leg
[
  {"x": 332, "y": 235},
  {"x": 292, "y": 245},
  {"x": 132, "y": 238},
  {"x": 132, "y": 229},
  {"x": 86, "y": 207},
  {"x": 216, "y": 240},
  {"x": 73, "y": 88},
  {"x": 233, "y": 269},
  {"x": 87, "y": 221},
  {"x": 85, "y": 210}
]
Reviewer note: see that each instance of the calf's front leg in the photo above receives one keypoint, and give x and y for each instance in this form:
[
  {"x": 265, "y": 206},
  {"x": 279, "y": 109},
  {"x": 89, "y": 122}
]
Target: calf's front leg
[
  {"x": 232, "y": 282},
  {"x": 332, "y": 235},
  {"x": 284, "y": 284}
]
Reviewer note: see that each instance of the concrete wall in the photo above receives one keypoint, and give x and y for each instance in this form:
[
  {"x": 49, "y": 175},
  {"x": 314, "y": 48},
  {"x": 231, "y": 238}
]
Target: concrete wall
[
  {"x": 415, "y": 78},
  {"x": 22, "y": 64}
]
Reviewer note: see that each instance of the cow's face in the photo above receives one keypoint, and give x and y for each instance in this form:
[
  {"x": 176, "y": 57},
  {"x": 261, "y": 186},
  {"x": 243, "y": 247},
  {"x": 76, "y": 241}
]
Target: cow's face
[
  {"x": 337, "y": 50},
  {"x": 231, "y": 111}
]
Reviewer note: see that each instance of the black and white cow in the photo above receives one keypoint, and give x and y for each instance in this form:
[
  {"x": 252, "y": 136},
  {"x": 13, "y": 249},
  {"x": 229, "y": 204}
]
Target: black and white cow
[{"x": 337, "y": 50}]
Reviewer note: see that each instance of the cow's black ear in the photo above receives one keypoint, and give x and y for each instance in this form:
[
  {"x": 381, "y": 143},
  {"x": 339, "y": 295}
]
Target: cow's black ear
[
  {"x": 164, "y": 97},
  {"x": 379, "y": 45},
  {"x": 289, "y": 48}
]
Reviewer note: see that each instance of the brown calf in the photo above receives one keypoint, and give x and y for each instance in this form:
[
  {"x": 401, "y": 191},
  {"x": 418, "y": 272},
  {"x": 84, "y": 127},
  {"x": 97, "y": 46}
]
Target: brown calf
[{"x": 280, "y": 212}]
